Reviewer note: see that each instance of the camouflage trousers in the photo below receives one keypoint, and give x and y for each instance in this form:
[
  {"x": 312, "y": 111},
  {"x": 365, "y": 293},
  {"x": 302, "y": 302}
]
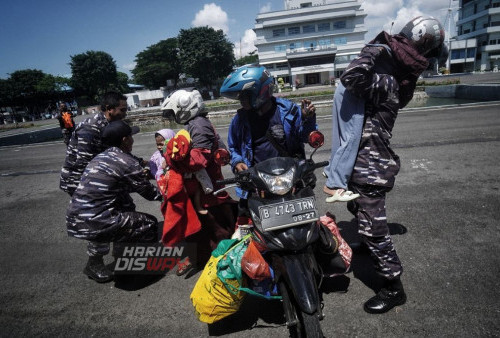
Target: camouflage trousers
[
  {"x": 369, "y": 210},
  {"x": 136, "y": 227}
]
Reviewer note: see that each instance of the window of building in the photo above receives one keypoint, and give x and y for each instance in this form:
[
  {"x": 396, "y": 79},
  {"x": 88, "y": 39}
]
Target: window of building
[
  {"x": 293, "y": 30},
  {"x": 295, "y": 45},
  {"x": 306, "y": 4},
  {"x": 323, "y": 27},
  {"x": 340, "y": 41},
  {"x": 458, "y": 54},
  {"x": 495, "y": 23},
  {"x": 495, "y": 4},
  {"x": 493, "y": 42},
  {"x": 280, "y": 48},
  {"x": 308, "y": 28},
  {"x": 278, "y": 32},
  {"x": 468, "y": 10},
  {"x": 282, "y": 66},
  {"x": 341, "y": 59},
  {"x": 310, "y": 45},
  {"x": 324, "y": 43},
  {"x": 311, "y": 61},
  {"x": 339, "y": 24},
  {"x": 466, "y": 31}
]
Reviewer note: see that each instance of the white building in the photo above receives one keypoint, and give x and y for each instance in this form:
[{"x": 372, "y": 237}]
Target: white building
[
  {"x": 311, "y": 41},
  {"x": 480, "y": 20},
  {"x": 146, "y": 98}
]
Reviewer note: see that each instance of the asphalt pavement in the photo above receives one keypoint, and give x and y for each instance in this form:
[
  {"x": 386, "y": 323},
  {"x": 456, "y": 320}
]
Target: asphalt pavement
[{"x": 443, "y": 215}]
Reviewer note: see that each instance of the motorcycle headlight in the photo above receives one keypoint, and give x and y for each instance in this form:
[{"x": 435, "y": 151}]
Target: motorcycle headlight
[{"x": 280, "y": 184}]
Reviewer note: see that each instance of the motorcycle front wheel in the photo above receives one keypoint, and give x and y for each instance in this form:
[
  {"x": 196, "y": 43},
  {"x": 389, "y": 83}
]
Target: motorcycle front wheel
[
  {"x": 300, "y": 324},
  {"x": 310, "y": 325}
]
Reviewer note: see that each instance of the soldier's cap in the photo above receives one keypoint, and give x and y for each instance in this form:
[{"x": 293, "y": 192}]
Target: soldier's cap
[{"x": 115, "y": 131}]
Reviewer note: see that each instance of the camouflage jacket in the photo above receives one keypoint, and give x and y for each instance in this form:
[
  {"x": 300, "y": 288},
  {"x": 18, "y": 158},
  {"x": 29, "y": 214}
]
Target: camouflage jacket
[
  {"x": 84, "y": 145},
  {"x": 104, "y": 194},
  {"x": 385, "y": 75}
]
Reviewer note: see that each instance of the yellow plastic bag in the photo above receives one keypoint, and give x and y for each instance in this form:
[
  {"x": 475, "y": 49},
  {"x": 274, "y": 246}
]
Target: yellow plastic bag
[{"x": 210, "y": 297}]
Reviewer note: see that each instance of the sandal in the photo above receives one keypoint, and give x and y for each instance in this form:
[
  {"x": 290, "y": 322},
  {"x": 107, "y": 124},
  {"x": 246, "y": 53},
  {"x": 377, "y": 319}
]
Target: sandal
[
  {"x": 339, "y": 195},
  {"x": 183, "y": 267}
]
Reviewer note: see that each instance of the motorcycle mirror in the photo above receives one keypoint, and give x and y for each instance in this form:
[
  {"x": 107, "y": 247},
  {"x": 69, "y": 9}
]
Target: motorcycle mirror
[
  {"x": 316, "y": 139},
  {"x": 222, "y": 157}
]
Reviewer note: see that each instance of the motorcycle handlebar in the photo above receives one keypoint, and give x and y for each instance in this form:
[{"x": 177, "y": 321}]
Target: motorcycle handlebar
[
  {"x": 227, "y": 181},
  {"x": 321, "y": 164}
]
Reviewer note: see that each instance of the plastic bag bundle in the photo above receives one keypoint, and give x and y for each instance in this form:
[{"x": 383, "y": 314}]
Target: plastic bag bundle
[{"x": 217, "y": 293}]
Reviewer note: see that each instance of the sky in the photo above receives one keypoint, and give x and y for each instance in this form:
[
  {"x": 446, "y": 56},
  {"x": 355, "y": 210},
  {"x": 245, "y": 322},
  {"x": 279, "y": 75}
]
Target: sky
[{"x": 44, "y": 34}]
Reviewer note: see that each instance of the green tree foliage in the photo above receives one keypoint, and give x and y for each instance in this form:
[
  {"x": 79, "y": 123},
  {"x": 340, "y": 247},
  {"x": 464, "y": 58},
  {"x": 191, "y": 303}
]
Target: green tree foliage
[
  {"x": 32, "y": 90},
  {"x": 93, "y": 73},
  {"x": 157, "y": 64},
  {"x": 5, "y": 92},
  {"x": 248, "y": 59},
  {"x": 205, "y": 54},
  {"x": 26, "y": 83},
  {"x": 122, "y": 84}
]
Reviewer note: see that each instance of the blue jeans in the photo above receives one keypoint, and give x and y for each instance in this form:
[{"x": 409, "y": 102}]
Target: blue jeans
[{"x": 347, "y": 120}]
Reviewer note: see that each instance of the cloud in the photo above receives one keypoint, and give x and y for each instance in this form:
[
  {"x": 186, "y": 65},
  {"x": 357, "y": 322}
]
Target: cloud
[
  {"x": 246, "y": 45},
  {"x": 382, "y": 15},
  {"x": 266, "y": 8},
  {"x": 212, "y": 16},
  {"x": 129, "y": 66}
]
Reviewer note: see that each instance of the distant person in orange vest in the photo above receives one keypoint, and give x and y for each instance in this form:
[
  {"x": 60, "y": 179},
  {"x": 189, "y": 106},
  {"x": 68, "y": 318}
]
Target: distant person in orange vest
[{"x": 66, "y": 122}]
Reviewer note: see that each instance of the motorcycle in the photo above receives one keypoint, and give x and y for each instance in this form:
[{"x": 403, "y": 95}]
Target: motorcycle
[{"x": 285, "y": 218}]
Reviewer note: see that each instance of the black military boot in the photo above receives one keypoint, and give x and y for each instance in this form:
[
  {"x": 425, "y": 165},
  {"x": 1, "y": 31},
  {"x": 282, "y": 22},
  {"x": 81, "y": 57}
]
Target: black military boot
[
  {"x": 97, "y": 270},
  {"x": 390, "y": 296}
]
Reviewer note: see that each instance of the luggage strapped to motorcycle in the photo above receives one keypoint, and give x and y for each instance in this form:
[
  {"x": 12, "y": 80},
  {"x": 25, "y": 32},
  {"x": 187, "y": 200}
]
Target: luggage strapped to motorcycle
[{"x": 237, "y": 276}]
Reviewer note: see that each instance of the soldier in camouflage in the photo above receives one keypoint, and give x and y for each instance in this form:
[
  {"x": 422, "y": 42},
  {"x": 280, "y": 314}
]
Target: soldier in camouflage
[
  {"x": 85, "y": 144},
  {"x": 101, "y": 209},
  {"x": 385, "y": 75}
]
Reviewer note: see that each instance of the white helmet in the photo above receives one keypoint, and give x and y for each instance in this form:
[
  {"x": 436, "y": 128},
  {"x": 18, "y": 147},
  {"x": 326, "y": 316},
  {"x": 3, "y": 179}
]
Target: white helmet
[
  {"x": 426, "y": 33},
  {"x": 185, "y": 105}
]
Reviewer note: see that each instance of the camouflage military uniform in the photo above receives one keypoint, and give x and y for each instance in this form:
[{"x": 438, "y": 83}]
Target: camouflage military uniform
[
  {"x": 85, "y": 143},
  {"x": 385, "y": 75},
  {"x": 101, "y": 209}
]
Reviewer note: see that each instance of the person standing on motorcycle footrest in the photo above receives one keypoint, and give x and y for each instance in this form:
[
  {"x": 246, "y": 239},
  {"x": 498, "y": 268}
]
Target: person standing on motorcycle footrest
[
  {"x": 384, "y": 75},
  {"x": 264, "y": 126}
]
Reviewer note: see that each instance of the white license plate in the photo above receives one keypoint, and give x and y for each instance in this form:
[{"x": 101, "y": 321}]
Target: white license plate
[{"x": 289, "y": 213}]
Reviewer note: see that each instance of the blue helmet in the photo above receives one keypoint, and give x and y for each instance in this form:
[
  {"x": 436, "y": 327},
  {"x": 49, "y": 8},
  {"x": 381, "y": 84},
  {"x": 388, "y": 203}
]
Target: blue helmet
[{"x": 253, "y": 79}]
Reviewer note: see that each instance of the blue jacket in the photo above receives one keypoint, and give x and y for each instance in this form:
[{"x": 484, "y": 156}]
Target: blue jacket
[{"x": 287, "y": 113}]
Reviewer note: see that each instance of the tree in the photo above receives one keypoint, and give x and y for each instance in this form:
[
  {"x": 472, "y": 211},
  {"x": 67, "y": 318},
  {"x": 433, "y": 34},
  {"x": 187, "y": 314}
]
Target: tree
[
  {"x": 122, "y": 83},
  {"x": 157, "y": 64},
  {"x": 5, "y": 92},
  {"x": 205, "y": 54},
  {"x": 31, "y": 89},
  {"x": 93, "y": 73},
  {"x": 24, "y": 82},
  {"x": 252, "y": 57}
]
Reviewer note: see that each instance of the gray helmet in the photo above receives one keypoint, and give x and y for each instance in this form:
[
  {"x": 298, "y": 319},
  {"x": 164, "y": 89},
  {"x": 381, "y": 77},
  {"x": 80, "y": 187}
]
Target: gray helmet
[
  {"x": 426, "y": 33},
  {"x": 184, "y": 104}
]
